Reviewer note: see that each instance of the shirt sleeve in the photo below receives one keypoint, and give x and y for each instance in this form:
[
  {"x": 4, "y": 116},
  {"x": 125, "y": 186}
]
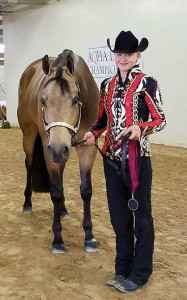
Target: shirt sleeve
[
  {"x": 100, "y": 124},
  {"x": 153, "y": 99}
]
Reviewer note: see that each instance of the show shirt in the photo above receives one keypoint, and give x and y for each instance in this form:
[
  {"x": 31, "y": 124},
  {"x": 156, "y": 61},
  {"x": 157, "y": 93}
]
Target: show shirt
[{"x": 136, "y": 101}]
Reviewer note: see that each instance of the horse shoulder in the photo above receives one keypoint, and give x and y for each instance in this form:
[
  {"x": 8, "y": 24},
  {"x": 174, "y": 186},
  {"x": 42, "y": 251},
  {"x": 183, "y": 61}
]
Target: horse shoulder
[{"x": 28, "y": 91}]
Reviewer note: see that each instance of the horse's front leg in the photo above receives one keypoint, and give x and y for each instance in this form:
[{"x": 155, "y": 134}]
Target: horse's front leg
[
  {"x": 55, "y": 171},
  {"x": 57, "y": 198},
  {"x": 63, "y": 210},
  {"x": 86, "y": 160}
]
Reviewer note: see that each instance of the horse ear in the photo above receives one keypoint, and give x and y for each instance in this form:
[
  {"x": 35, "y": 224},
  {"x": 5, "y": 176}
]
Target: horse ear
[
  {"x": 45, "y": 64},
  {"x": 70, "y": 64}
]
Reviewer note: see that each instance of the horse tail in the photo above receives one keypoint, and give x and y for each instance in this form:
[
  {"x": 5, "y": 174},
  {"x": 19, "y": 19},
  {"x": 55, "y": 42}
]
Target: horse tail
[{"x": 40, "y": 177}]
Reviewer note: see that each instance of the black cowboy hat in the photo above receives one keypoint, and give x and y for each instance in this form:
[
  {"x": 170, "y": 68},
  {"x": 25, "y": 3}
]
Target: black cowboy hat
[{"x": 126, "y": 42}]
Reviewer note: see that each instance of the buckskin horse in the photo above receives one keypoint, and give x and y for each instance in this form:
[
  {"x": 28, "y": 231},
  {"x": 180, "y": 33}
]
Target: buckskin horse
[{"x": 58, "y": 102}]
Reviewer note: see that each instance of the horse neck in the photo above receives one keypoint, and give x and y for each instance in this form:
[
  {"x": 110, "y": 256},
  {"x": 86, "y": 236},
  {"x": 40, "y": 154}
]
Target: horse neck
[{"x": 37, "y": 80}]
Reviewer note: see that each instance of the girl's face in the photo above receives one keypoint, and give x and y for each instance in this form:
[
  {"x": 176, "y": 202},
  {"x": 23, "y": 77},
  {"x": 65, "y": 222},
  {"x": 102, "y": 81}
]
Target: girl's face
[{"x": 125, "y": 61}]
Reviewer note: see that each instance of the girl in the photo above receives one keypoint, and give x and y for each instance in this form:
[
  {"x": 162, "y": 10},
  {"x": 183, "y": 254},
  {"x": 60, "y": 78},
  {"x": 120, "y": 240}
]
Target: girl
[{"x": 130, "y": 103}]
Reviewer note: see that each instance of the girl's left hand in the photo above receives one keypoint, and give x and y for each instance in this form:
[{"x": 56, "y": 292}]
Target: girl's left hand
[{"x": 136, "y": 132}]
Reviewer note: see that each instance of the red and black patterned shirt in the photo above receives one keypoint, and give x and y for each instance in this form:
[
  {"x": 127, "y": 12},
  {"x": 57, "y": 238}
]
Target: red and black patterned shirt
[{"x": 136, "y": 101}]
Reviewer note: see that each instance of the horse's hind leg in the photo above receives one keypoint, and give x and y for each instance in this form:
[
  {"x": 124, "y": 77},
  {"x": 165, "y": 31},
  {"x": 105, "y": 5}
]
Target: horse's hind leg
[
  {"x": 86, "y": 160},
  {"x": 29, "y": 137}
]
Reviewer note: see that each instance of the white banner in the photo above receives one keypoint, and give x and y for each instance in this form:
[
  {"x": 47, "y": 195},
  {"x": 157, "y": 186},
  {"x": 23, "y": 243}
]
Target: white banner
[{"x": 101, "y": 62}]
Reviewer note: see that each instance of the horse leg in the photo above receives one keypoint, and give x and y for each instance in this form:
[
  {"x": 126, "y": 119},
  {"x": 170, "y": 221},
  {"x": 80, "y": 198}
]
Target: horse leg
[
  {"x": 86, "y": 160},
  {"x": 28, "y": 145},
  {"x": 56, "y": 191},
  {"x": 57, "y": 199},
  {"x": 63, "y": 210},
  {"x": 27, "y": 206}
]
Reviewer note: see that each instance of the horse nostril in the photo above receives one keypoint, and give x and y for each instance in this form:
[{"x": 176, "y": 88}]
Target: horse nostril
[
  {"x": 58, "y": 154},
  {"x": 50, "y": 150},
  {"x": 66, "y": 150}
]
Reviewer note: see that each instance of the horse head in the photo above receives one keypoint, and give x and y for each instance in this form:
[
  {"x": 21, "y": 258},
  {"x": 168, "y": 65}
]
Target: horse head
[{"x": 61, "y": 105}]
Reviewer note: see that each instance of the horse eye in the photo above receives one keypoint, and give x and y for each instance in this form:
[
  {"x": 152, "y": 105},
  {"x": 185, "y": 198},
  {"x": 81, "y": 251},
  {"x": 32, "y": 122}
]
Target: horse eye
[
  {"x": 75, "y": 101},
  {"x": 43, "y": 102}
]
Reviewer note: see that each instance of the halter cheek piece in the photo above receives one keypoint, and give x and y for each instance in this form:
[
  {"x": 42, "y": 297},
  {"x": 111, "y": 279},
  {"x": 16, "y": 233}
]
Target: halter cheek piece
[{"x": 64, "y": 124}]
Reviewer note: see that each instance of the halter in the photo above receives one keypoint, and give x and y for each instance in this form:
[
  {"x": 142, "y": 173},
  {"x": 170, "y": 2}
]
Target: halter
[{"x": 47, "y": 126}]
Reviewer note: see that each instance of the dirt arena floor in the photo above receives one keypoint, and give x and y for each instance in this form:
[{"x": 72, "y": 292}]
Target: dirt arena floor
[{"x": 28, "y": 269}]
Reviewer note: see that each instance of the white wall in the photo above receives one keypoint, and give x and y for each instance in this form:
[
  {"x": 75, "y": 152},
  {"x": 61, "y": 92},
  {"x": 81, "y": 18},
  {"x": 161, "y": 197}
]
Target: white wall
[{"x": 73, "y": 24}]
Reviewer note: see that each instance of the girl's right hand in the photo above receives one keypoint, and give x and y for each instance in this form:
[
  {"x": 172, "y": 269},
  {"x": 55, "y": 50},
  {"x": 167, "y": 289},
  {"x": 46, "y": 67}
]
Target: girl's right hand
[{"x": 90, "y": 139}]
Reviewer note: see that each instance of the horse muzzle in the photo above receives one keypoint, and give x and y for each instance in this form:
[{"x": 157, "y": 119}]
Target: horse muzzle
[{"x": 58, "y": 153}]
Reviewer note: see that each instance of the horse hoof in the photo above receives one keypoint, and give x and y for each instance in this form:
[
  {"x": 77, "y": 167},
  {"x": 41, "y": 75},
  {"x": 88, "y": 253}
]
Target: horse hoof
[
  {"x": 91, "y": 246},
  {"x": 27, "y": 209},
  {"x": 64, "y": 215},
  {"x": 58, "y": 248}
]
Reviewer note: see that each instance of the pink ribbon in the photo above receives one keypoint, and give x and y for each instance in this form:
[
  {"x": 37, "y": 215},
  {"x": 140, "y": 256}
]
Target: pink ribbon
[{"x": 133, "y": 164}]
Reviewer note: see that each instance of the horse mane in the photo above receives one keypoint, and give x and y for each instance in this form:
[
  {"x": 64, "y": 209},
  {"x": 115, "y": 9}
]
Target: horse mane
[
  {"x": 62, "y": 82},
  {"x": 63, "y": 60}
]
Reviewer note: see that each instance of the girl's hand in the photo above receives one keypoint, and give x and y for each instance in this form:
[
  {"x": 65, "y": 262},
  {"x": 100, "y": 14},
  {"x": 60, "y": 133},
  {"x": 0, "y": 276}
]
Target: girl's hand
[
  {"x": 136, "y": 132},
  {"x": 90, "y": 139}
]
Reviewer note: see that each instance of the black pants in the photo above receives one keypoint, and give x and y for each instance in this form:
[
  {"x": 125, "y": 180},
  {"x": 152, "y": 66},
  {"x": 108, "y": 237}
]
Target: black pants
[{"x": 133, "y": 259}]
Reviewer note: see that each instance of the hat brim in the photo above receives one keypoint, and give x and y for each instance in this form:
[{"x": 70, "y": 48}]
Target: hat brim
[{"x": 141, "y": 47}]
